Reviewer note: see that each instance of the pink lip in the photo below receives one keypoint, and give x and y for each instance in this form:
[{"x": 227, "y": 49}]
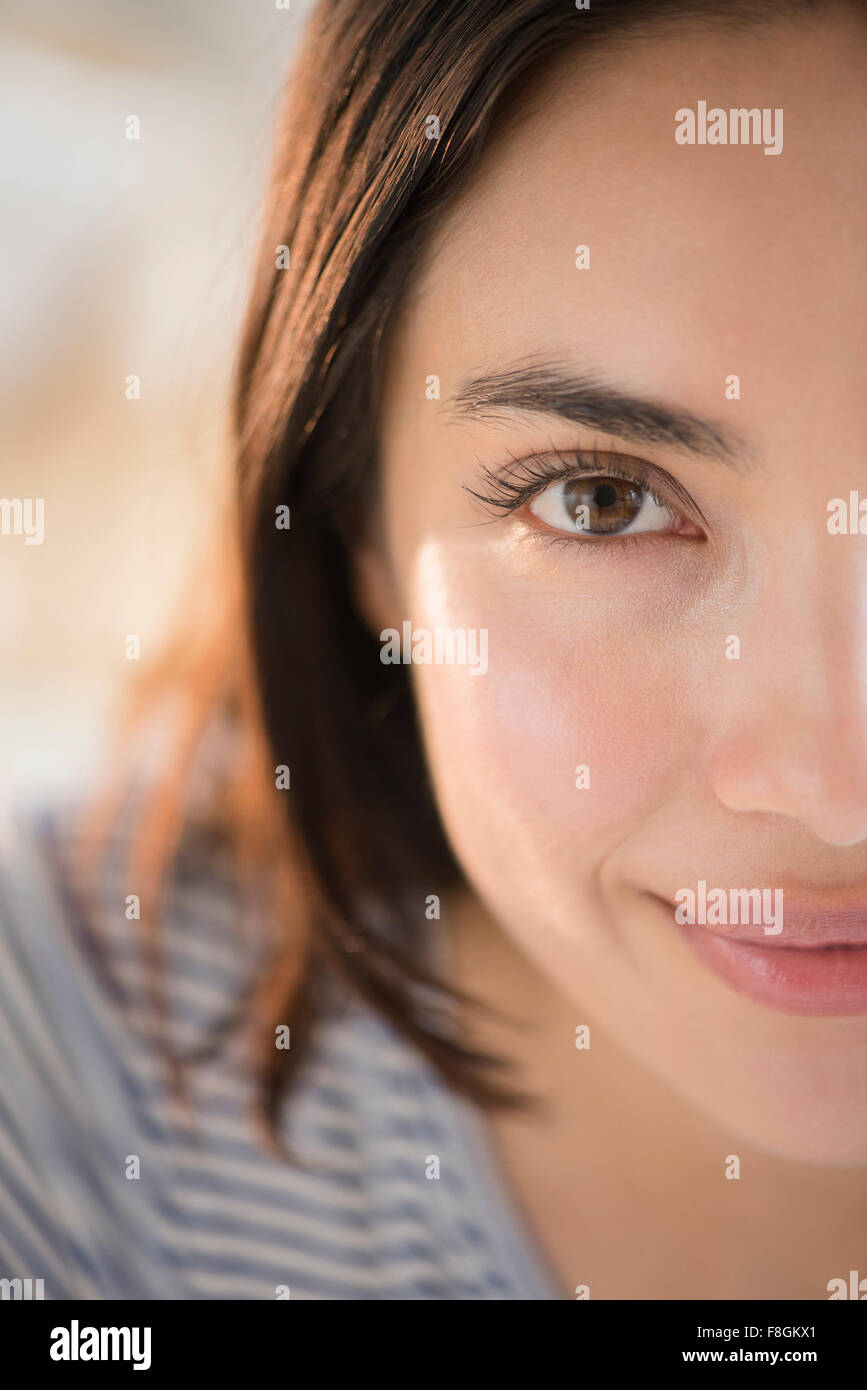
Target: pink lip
[{"x": 816, "y": 966}]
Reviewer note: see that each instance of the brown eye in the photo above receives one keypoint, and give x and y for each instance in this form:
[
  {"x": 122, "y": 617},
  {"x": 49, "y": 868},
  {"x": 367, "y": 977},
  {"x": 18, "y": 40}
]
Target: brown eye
[{"x": 600, "y": 505}]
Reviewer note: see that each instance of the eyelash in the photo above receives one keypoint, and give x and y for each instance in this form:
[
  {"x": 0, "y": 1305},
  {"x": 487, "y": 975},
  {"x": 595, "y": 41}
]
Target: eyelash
[{"x": 512, "y": 488}]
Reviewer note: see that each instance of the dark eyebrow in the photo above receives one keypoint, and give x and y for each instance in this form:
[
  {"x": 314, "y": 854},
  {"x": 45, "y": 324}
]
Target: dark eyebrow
[{"x": 585, "y": 399}]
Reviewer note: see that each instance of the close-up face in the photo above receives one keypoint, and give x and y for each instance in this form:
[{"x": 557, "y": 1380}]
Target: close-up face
[
  {"x": 433, "y": 839},
  {"x": 616, "y": 462}
]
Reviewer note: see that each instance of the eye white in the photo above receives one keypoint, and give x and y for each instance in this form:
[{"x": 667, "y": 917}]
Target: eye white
[{"x": 550, "y": 506}]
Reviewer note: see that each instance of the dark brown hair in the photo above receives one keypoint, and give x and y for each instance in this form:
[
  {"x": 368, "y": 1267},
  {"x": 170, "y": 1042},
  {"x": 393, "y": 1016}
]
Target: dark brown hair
[{"x": 355, "y": 846}]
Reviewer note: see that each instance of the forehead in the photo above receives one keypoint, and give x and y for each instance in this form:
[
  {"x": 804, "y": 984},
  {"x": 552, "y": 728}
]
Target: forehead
[{"x": 741, "y": 255}]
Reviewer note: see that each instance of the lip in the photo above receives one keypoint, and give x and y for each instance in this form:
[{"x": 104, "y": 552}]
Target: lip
[{"x": 817, "y": 965}]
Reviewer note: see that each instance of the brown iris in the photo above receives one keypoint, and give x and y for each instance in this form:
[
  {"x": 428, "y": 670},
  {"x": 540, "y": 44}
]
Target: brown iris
[{"x": 602, "y": 505}]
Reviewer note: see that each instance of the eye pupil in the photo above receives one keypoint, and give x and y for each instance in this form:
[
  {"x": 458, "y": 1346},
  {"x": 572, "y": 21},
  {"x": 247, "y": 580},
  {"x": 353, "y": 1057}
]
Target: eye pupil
[{"x": 605, "y": 495}]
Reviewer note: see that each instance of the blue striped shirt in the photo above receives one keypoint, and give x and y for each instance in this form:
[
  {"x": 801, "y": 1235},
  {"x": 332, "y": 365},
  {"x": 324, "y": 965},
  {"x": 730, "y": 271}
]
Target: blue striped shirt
[{"x": 107, "y": 1190}]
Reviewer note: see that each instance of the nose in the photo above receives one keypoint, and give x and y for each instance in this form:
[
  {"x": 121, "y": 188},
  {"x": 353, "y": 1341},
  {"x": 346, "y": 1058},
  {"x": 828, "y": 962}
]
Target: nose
[{"x": 793, "y": 709}]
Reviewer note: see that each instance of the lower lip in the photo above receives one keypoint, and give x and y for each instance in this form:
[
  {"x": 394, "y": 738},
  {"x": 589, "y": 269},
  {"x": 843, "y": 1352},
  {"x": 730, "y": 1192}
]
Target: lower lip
[{"x": 810, "y": 980}]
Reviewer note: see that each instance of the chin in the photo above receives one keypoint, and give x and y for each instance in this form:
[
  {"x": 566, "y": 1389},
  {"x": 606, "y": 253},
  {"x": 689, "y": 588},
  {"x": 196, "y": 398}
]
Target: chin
[{"x": 809, "y": 1121}]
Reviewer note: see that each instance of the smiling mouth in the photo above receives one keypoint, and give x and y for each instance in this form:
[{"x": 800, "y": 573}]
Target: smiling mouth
[{"x": 816, "y": 966}]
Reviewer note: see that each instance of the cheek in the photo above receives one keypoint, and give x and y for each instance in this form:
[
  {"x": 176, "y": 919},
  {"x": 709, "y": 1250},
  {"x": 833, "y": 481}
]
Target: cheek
[{"x": 563, "y": 748}]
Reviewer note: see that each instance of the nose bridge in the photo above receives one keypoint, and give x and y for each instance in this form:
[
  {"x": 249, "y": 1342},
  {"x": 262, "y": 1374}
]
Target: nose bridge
[
  {"x": 817, "y": 632},
  {"x": 793, "y": 721}
]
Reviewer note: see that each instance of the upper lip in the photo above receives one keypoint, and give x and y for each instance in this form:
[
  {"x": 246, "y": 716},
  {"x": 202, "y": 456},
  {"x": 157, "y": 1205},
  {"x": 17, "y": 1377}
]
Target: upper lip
[{"x": 810, "y": 924}]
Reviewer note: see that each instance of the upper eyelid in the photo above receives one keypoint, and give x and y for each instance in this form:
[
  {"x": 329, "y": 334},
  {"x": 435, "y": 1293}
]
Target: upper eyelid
[{"x": 577, "y": 463}]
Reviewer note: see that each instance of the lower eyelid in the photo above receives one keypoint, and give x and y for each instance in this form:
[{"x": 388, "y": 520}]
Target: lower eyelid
[{"x": 599, "y": 545}]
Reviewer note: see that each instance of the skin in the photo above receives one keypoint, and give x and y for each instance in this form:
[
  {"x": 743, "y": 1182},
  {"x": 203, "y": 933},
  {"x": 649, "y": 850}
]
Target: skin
[{"x": 720, "y": 260}]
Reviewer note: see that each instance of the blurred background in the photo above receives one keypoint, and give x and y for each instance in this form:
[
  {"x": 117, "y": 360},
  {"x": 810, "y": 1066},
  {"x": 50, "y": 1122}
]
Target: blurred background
[{"x": 120, "y": 257}]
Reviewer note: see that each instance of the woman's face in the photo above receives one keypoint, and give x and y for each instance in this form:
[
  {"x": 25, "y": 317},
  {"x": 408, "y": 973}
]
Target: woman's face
[{"x": 680, "y": 622}]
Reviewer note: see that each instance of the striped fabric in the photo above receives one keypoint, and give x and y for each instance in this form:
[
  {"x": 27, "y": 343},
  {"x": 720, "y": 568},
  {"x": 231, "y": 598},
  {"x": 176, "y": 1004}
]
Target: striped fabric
[{"x": 212, "y": 1215}]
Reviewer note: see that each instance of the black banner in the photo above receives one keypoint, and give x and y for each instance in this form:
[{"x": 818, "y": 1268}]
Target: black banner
[{"x": 152, "y": 1338}]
